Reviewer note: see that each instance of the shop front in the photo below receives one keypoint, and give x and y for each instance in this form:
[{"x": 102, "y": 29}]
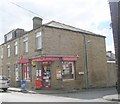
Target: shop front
[{"x": 48, "y": 71}]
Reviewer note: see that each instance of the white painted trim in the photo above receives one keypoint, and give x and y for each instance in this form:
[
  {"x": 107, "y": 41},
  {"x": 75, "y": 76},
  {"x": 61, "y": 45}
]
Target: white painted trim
[{"x": 110, "y": 61}]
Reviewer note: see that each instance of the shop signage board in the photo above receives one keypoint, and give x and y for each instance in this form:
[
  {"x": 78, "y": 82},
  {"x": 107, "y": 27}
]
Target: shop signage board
[
  {"x": 45, "y": 59},
  {"x": 49, "y": 59},
  {"x": 23, "y": 61}
]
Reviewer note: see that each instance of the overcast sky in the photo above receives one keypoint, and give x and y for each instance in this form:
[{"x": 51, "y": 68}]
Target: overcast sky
[{"x": 91, "y": 15}]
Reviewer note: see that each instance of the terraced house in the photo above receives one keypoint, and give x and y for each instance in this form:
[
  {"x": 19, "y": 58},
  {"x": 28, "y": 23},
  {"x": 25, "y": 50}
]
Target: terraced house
[
  {"x": 1, "y": 57},
  {"x": 62, "y": 56}
]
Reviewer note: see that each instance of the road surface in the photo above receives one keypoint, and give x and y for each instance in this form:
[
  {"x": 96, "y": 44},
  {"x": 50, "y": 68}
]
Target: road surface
[
  {"x": 90, "y": 94},
  {"x": 25, "y": 97}
]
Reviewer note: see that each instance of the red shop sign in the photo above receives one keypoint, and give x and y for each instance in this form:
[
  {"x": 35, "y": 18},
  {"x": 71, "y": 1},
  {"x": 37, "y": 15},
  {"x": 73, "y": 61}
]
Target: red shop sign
[
  {"x": 69, "y": 58},
  {"x": 45, "y": 63},
  {"x": 45, "y": 59},
  {"x": 23, "y": 61}
]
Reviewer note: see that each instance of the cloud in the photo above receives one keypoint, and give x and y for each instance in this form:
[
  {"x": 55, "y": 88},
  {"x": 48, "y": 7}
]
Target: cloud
[{"x": 84, "y": 14}]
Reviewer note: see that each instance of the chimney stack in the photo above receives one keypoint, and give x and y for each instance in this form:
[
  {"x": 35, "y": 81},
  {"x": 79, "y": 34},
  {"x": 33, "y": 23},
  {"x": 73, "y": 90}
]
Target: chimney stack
[{"x": 37, "y": 22}]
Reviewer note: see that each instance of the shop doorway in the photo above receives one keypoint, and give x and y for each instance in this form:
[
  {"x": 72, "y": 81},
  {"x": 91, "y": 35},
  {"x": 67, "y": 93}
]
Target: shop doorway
[{"x": 46, "y": 74}]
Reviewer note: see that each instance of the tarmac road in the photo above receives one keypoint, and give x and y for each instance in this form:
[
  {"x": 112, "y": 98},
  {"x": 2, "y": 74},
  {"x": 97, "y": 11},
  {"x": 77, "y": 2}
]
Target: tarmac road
[
  {"x": 27, "y": 97},
  {"x": 90, "y": 94}
]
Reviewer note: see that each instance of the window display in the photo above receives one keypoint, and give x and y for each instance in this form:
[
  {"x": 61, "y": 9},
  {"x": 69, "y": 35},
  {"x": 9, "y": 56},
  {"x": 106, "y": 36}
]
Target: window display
[
  {"x": 46, "y": 75},
  {"x": 68, "y": 70}
]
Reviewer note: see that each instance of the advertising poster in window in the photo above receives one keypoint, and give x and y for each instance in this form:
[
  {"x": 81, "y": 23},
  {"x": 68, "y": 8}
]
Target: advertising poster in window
[
  {"x": 68, "y": 70},
  {"x": 38, "y": 73},
  {"x": 58, "y": 74}
]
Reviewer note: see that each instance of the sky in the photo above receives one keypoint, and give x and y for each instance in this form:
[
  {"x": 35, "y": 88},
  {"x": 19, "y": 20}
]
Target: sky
[{"x": 90, "y": 15}]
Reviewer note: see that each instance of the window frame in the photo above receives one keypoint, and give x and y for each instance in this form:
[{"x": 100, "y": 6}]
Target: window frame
[
  {"x": 9, "y": 36},
  {"x": 25, "y": 45},
  {"x": 38, "y": 40},
  {"x": 8, "y": 50},
  {"x": 16, "y": 48},
  {"x": 16, "y": 72},
  {"x": 72, "y": 73},
  {"x": 9, "y": 71},
  {"x": 1, "y": 52},
  {"x": 26, "y": 72}
]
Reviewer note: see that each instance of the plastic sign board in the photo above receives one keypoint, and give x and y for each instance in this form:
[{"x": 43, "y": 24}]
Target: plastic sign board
[{"x": 33, "y": 63}]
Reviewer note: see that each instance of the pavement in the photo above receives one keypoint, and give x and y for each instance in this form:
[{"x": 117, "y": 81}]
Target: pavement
[
  {"x": 49, "y": 91},
  {"x": 20, "y": 90},
  {"x": 112, "y": 97},
  {"x": 42, "y": 91}
]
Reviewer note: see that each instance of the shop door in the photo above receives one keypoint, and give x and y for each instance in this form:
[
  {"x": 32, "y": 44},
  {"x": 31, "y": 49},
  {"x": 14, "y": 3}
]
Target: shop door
[{"x": 46, "y": 76}]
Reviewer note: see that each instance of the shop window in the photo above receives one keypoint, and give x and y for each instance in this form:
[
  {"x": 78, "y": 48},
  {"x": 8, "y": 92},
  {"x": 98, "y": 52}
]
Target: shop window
[
  {"x": 26, "y": 72},
  {"x": 46, "y": 75},
  {"x": 68, "y": 70},
  {"x": 38, "y": 40},
  {"x": 25, "y": 41}
]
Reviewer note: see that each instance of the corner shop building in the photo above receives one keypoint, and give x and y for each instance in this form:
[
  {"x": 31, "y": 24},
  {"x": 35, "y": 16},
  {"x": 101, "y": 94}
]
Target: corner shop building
[{"x": 66, "y": 57}]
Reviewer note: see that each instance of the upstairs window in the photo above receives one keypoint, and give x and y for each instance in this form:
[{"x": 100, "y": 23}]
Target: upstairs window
[
  {"x": 8, "y": 50},
  {"x": 25, "y": 41},
  {"x": 9, "y": 36},
  {"x": 38, "y": 40},
  {"x": 16, "y": 48}
]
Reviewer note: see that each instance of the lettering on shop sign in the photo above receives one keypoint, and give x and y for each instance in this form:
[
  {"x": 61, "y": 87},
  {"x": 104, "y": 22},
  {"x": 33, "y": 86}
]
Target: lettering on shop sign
[
  {"x": 69, "y": 58},
  {"x": 45, "y": 62},
  {"x": 45, "y": 59}
]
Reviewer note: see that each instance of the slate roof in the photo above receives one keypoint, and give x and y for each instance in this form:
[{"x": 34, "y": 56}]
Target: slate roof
[{"x": 64, "y": 26}]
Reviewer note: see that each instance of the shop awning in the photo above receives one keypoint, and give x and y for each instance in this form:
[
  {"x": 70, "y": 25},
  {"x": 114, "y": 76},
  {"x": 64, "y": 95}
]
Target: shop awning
[
  {"x": 45, "y": 59},
  {"x": 49, "y": 58}
]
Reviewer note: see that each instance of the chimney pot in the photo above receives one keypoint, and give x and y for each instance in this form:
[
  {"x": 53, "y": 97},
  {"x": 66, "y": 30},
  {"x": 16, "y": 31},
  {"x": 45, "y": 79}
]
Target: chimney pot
[{"x": 37, "y": 22}]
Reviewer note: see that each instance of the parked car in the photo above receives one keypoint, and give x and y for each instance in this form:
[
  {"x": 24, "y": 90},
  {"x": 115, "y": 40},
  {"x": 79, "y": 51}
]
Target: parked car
[{"x": 4, "y": 83}]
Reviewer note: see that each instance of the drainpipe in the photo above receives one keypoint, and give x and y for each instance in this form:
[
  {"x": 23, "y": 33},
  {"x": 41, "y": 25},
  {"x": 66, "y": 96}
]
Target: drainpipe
[{"x": 85, "y": 62}]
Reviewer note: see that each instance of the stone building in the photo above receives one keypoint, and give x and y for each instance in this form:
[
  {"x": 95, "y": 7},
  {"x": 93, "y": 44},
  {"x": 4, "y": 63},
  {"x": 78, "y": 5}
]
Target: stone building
[
  {"x": 60, "y": 55},
  {"x": 1, "y": 59},
  {"x": 111, "y": 66}
]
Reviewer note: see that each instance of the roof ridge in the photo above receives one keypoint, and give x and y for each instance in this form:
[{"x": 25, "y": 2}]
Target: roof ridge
[
  {"x": 62, "y": 24},
  {"x": 69, "y": 26}
]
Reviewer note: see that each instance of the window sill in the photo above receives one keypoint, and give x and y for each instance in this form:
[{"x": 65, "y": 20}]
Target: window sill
[
  {"x": 68, "y": 79},
  {"x": 25, "y": 53},
  {"x": 27, "y": 80},
  {"x": 16, "y": 55},
  {"x": 38, "y": 50}
]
